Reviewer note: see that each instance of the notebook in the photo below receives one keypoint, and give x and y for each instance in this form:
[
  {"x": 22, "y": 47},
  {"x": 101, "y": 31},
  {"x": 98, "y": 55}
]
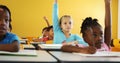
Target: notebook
[{"x": 20, "y": 53}]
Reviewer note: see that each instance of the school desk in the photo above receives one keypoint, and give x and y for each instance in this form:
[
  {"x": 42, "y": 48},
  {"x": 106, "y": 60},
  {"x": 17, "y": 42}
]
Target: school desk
[
  {"x": 42, "y": 57},
  {"x": 64, "y": 57},
  {"x": 23, "y": 41}
]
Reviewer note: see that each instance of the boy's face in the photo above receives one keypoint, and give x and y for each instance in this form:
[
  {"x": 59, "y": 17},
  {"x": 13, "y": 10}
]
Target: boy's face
[
  {"x": 66, "y": 24},
  {"x": 45, "y": 33},
  {"x": 98, "y": 36},
  {"x": 4, "y": 21},
  {"x": 51, "y": 34}
]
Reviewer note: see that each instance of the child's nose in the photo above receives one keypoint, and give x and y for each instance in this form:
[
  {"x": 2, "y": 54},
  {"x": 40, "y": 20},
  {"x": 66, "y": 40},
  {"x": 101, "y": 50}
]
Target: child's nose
[{"x": 100, "y": 38}]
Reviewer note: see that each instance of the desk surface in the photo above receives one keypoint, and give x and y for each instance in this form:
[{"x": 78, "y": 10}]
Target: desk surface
[
  {"x": 73, "y": 58},
  {"x": 42, "y": 56}
]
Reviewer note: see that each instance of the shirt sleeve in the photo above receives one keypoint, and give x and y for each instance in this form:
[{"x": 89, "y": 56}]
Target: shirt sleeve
[
  {"x": 15, "y": 38},
  {"x": 56, "y": 26},
  {"x": 80, "y": 40}
]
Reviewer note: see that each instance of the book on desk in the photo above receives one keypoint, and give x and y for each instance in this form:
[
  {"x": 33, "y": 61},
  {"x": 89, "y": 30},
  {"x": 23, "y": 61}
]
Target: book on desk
[{"x": 20, "y": 53}]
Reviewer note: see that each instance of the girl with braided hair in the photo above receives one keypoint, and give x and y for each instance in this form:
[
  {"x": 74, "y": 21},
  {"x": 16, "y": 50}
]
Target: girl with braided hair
[{"x": 93, "y": 34}]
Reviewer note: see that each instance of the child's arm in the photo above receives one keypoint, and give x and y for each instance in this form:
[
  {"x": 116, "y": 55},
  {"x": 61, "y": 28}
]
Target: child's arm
[
  {"x": 70, "y": 48},
  {"x": 14, "y": 47},
  {"x": 56, "y": 26},
  {"x": 107, "y": 31},
  {"x": 45, "y": 18}
]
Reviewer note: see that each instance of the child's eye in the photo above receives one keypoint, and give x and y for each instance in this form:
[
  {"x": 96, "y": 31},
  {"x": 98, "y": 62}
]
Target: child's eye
[
  {"x": 101, "y": 34},
  {"x": 95, "y": 35},
  {"x": 69, "y": 22},
  {"x": 65, "y": 23},
  {"x": 6, "y": 20}
]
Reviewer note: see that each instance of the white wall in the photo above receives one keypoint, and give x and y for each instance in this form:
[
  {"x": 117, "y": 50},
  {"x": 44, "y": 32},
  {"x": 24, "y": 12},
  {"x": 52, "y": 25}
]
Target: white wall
[{"x": 119, "y": 19}]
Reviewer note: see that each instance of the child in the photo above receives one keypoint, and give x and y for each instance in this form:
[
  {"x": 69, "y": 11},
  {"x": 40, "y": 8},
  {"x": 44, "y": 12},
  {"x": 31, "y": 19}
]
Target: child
[
  {"x": 47, "y": 33},
  {"x": 8, "y": 41},
  {"x": 93, "y": 34},
  {"x": 49, "y": 29},
  {"x": 102, "y": 44},
  {"x": 62, "y": 29}
]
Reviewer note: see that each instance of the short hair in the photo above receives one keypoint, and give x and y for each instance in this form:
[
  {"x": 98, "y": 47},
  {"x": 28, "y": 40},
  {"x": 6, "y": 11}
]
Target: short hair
[
  {"x": 89, "y": 22},
  {"x": 50, "y": 27},
  {"x": 45, "y": 28}
]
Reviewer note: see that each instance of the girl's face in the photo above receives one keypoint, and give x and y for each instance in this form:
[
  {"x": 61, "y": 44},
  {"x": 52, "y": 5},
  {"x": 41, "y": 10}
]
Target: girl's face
[
  {"x": 4, "y": 21},
  {"x": 66, "y": 24},
  {"x": 98, "y": 36}
]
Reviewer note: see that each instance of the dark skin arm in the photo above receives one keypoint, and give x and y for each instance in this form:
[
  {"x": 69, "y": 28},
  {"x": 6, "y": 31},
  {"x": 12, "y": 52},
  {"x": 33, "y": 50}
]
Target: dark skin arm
[
  {"x": 86, "y": 50},
  {"x": 14, "y": 47},
  {"x": 107, "y": 31},
  {"x": 45, "y": 18}
]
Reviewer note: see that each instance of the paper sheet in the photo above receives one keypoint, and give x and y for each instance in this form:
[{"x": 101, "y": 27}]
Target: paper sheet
[{"x": 104, "y": 53}]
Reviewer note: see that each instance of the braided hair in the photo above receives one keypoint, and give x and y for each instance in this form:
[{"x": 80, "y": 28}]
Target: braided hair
[{"x": 89, "y": 22}]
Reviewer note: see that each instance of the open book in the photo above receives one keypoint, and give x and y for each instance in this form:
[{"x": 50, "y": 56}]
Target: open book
[
  {"x": 104, "y": 53},
  {"x": 20, "y": 53}
]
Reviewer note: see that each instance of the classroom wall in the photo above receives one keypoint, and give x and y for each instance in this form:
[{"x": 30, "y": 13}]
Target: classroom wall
[
  {"x": 114, "y": 19},
  {"x": 27, "y": 15},
  {"x": 119, "y": 20}
]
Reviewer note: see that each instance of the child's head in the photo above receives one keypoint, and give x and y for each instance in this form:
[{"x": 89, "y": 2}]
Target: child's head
[
  {"x": 66, "y": 23},
  {"x": 50, "y": 32},
  {"x": 96, "y": 28},
  {"x": 5, "y": 19},
  {"x": 45, "y": 32}
]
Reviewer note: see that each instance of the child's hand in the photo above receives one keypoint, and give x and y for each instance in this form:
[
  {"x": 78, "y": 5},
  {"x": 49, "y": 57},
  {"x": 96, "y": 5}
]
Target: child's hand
[
  {"x": 45, "y": 18},
  {"x": 55, "y": 1},
  {"x": 88, "y": 50},
  {"x": 107, "y": 1}
]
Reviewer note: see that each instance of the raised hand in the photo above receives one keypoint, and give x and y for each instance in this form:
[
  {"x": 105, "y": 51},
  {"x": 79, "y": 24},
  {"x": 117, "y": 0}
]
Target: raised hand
[
  {"x": 107, "y": 36},
  {"x": 55, "y": 1},
  {"x": 46, "y": 19},
  {"x": 107, "y": 1}
]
